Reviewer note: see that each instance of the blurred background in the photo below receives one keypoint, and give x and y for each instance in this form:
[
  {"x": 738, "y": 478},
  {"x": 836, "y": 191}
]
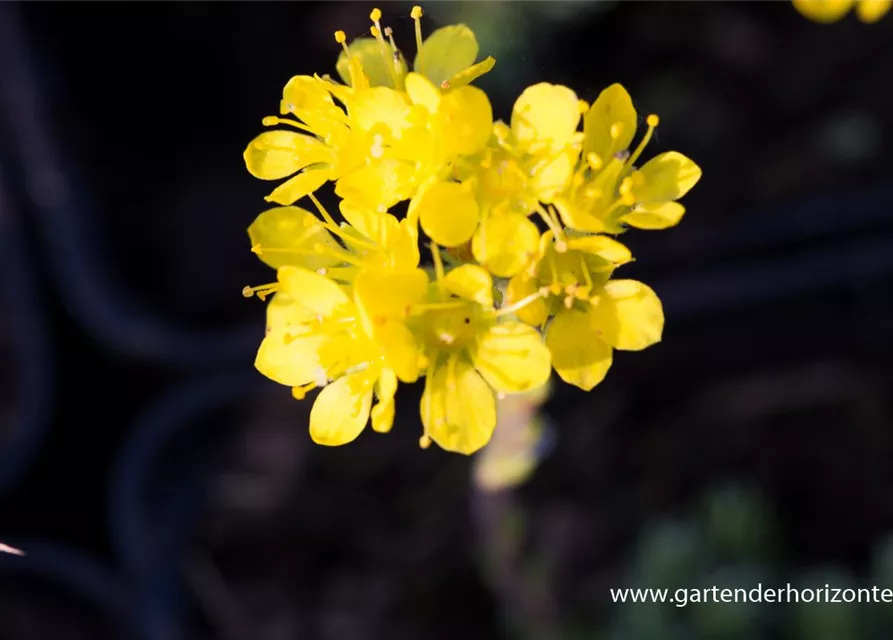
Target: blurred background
[{"x": 163, "y": 490}]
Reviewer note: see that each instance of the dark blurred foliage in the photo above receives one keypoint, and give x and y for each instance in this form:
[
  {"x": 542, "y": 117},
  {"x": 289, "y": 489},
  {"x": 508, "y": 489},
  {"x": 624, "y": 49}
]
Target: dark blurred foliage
[{"x": 135, "y": 431}]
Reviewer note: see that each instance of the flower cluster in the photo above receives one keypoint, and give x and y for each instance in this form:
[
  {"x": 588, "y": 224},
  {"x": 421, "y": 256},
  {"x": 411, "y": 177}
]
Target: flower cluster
[
  {"x": 519, "y": 220},
  {"x": 828, "y": 11}
]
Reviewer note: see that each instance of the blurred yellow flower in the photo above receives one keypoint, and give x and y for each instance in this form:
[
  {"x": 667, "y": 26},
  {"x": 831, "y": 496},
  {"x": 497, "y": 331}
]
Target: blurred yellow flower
[{"x": 828, "y": 11}]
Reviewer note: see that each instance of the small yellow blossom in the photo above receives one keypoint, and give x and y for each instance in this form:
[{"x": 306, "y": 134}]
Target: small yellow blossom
[
  {"x": 470, "y": 352},
  {"x": 446, "y": 57},
  {"x": 828, "y": 11},
  {"x": 585, "y": 314},
  {"x": 609, "y": 190},
  {"x": 314, "y": 339}
]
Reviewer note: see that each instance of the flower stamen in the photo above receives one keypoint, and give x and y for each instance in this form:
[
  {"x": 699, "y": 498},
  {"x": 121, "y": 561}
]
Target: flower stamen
[
  {"x": 261, "y": 291},
  {"x": 652, "y": 121},
  {"x": 520, "y": 304},
  {"x": 387, "y": 57},
  {"x": 417, "y": 14}
]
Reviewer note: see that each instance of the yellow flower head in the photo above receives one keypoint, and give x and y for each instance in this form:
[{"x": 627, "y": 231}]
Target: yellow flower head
[
  {"x": 522, "y": 209},
  {"x": 828, "y": 11},
  {"x": 446, "y": 57}
]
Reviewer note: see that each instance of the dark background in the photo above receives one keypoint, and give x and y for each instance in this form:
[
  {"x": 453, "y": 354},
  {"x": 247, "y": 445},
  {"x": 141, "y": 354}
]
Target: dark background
[{"x": 163, "y": 489}]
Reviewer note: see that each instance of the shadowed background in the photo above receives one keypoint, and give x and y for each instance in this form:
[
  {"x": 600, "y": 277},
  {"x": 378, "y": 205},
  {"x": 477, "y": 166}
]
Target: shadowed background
[{"x": 164, "y": 490}]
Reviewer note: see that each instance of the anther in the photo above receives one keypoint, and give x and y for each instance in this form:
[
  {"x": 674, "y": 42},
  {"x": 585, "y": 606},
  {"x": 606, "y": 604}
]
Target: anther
[
  {"x": 416, "y": 14},
  {"x": 340, "y": 37},
  {"x": 424, "y": 442},
  {"x": 616, "y": 130},
  {"x": 374, "y": 31},
  {"x": 269, "y": 121},
  {"x": 594, "y": 160},
  {"x": 569, "y": 302},
  {"x": 375, "y": 16},
  {"x": 583, "y": 106},
  {"x": 652, "y": 120}
]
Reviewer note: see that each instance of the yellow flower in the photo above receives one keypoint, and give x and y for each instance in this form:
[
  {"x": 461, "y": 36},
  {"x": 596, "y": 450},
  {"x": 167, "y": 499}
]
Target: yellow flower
[
  {"x": 608, "y": 190},
  {"x": 469, "y": 352},
  {"x": 530, "y": 162},
  {"x": 520, "y": 440},
  {"x": 446, "y": 57},
  {"x": 327, "y": 147},
  {"x": 586, "y": 314},
  {"x": 291, "y": 236},
  {"x": 418, "y": 135},
  {"x": 315, "y": 339},
  {"x": 828, "y": 11}
]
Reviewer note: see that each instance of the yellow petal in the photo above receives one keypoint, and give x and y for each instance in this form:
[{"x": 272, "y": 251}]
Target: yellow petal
[
  {"x": 383, "y": 416},
  {"x": 458, "y": 408},
  {"x": 379, "y": 67},
  {"x": 422, "y": 91},
  {"x": 546, "y": 113},
  {"x": 870, "y": 11},
  {"x": 386, "y": 387},
  {"x": 383, "y": 412},
  {"x": 309, "y": 99},
  {"x": 383, "y": 299},
  {"x": 471, "y": 282},
  {"x": 580, "y": 358},
  {"x": 381, "y": 293},
  {"x": 284, "y": 312},
  {"x": 578, "y": 218},
  {"x": 472, "y": 73},
  {"x": 668, "y": 176},
  {"x": 341, "y": 410},
  {"x": 628, "y": 315},
  {"x": 287, "y": 236},
  {"x": 367, "y": 222},
  {"x": 655, "y": 215},
  {"x": 611, "y": 113},
  {"x": 825, "y": 11},
  {"x": 604, "y": 247},
  {"x": 505, "y": 244},
  {"x": 299, "y": 186},
  {"x": 446, "y": 52},
  {"x": 378, "y": 186},
  {"x": 519, "y": 287},
  {"x": 311, "y": 290},
  {"x": 448, "y": 213},
  {"x": 291, "y": 362},
  {"x": 379, "y": 105},
  {"x": 512, "y": 358},
  {"x": 467, "y": 118},
  {"x": 554, "y": 176},
  {"x": 276, "y": 154}
]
